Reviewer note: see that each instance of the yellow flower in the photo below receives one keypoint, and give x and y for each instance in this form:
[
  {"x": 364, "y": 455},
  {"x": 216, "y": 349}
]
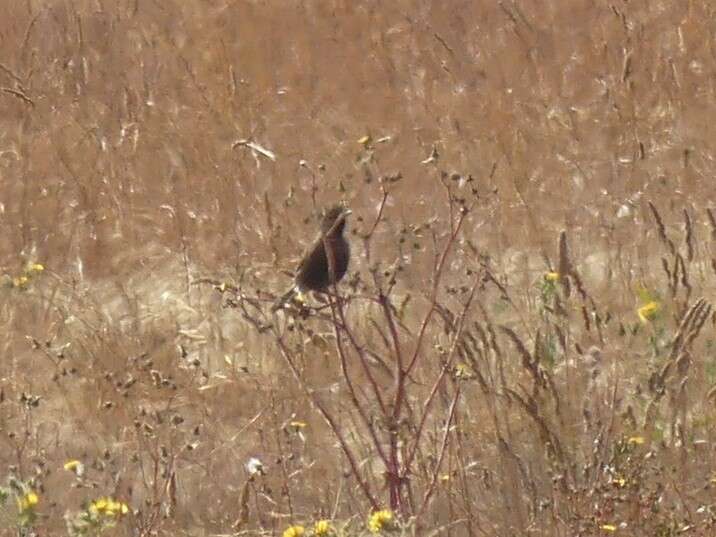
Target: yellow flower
[
  {"x": 377, "y": 520},
  {"x": 75, "y": 466},
  {"x": 322, "y": 527},
  {"x": 108, "y": 507},
  {"x": 123, "y": 508},
  {"x": 28, "y": 501},
  {"x": 649, "y": 311},
  {"x": 619, "y": 482},
  {"x": 365, "y": 140},
  {"x": 298, "y": 424},
  {"x": 20, "y": 281},
  {"x": 636, "y": 440},
  {"x": 99, "y": 505},
  {"x": 551, "y": 276},
  {"x": 464, "y": 372},
  {"x": 115, "y": 507},
  {"x": 294, "y": 531},
  {"x": 608, "y": 527},
  {"x": 35, "y": 267}
]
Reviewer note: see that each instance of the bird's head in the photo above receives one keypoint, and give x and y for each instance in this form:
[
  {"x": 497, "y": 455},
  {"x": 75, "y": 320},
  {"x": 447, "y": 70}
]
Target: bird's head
[{"x": 334, "y": 219}]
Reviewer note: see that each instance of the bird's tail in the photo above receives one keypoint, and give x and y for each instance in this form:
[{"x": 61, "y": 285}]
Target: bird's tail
[{"x": 283, "y": 299}]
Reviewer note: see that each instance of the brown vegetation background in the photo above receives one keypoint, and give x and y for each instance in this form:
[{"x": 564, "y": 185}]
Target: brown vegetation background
[{"x": 120, "y": 174}]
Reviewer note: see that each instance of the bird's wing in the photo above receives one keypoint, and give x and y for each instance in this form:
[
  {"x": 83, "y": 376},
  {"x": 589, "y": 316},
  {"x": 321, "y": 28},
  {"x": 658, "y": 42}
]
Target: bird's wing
[{"x": 309, "y": 253}]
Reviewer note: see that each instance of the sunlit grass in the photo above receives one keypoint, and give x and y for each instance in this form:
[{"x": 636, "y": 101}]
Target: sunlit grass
[{"x": 161, "y": 165}]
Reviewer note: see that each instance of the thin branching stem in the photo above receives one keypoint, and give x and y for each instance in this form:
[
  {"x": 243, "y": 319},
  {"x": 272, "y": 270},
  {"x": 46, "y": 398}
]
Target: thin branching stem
[{"x": 441, "y": 456}]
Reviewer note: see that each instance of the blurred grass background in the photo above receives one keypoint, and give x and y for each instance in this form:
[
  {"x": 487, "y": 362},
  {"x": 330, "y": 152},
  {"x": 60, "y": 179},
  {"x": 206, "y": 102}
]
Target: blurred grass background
[{"x": 120, "y": 175}]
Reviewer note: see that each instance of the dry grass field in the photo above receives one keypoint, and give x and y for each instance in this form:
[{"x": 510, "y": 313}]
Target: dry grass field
[{"x": 524, "y": 345}]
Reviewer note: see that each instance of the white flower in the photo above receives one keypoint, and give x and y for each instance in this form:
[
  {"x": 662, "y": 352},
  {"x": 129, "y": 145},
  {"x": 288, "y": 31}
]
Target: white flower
[{"x": 255, "y": 466}]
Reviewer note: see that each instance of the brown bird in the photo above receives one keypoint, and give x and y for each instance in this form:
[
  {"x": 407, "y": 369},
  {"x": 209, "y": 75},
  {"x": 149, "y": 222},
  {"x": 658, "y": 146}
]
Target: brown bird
[{"x": 316, "y": 272}]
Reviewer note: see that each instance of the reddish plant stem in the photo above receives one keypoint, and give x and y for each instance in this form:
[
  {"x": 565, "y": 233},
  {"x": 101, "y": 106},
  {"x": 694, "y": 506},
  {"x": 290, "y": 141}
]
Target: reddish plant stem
[
  {"x": 438, "y": 381},
  {"x": 337, "y": 326},
  {"x": 328, "y": 417},
  {"x": 343, "y": 325},
  {"x": 351, "y": 389},
  {"x": 381, "y": 208},
  {"x": 394, "y": 481},
  {"x": 433, "y": 295},
  {"x": 441, "y": 456}
]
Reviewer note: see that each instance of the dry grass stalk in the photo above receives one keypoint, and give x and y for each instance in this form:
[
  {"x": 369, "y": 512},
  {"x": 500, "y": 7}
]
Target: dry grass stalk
[
  {"x": 712, "y": 222},
  {"x": 123, "y": 180},
  {"x": 661, "y": 228},
  {"x": 565, "y": 265},
  {"x": 689, "y": 230},
  {"x": 679, "y": 358}
]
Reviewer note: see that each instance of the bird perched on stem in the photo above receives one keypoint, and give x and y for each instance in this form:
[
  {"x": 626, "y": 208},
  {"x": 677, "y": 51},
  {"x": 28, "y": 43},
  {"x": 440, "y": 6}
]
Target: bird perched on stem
[{"x": 327, "y": 260}]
